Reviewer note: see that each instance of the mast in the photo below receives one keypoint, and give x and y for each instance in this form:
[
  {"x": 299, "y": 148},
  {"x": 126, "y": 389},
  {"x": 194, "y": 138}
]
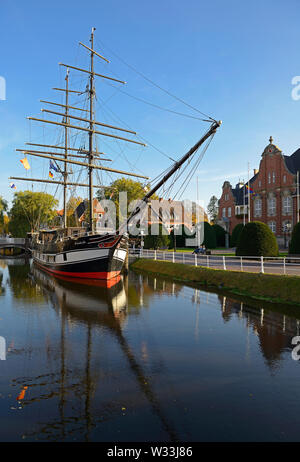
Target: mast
[
  {"x": 91, "y": 133},
  {"x": 66, "y": 150},
  {"x": 212, "y": 130}
]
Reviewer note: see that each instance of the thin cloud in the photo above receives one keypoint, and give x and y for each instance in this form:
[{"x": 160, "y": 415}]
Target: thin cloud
[{"x": 225, "y": 176}]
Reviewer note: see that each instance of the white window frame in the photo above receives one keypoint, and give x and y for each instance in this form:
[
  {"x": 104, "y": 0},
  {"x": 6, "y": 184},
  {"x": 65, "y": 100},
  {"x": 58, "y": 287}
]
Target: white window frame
[
  {"x": 272, "y": 206},
  {"x": 224, "y": 212},
  {"x": 269, "y": 178},
  {"x": 258, "y": 207},
  {"x": 229, "y": 212},
  {"x": 287, "y": 205},
  {"x": 273, "y": 177},
  {"x": 272, "y": 226}
]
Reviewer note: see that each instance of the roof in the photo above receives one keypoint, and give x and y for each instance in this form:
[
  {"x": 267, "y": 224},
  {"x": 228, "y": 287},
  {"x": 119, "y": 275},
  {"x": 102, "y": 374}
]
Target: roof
[
  {"x": 238, "y": 193},
  {"x": 293, "y": 162}
]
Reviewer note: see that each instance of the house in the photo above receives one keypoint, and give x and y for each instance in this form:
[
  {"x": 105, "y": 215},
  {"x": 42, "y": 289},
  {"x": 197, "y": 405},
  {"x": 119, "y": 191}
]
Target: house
[{"x": 272, "y": 195}]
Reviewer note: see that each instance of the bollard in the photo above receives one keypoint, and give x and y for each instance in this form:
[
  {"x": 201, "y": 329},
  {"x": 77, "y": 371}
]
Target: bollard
[
  {"x": 207, "y": 261},
  {"x": 173, "y": 257},
  {"x": 195, "y": 259},
  {"x": 262, "y": 264},
  {"x": 154, "y": 254},
  {"x": 224, "y": 264},
  {"x": 284, "y": 269},
  {"x": 241, "y": 258},
  {"x": 183, "y": 258}
]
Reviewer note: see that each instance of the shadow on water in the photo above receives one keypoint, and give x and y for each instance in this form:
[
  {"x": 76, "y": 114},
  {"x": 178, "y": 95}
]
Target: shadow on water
[{"x": 107, "y": 306}]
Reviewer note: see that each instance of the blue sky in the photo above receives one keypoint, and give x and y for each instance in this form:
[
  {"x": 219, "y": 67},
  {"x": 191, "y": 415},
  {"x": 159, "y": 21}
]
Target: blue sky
[{"x": 233, "y": 60}]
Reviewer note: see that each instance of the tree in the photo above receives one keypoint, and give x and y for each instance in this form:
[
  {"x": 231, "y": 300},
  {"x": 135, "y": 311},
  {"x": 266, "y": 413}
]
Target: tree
[
  {"x": 72, "y": 204},
  {"x": 3, "y": 208},
  {"x": 209, "y": 241},
  {"x": 257, "y": 239},
  {"x": 236, "y": 234},
  {"x": 220, "y": 235},
  {"x": 31, "y": 210},
  {"x": 157, "y": 241},
  {"x": 212, "y": 208},
  {"x": 294, "y": 247},
  {"x": 134, "y": 189}
]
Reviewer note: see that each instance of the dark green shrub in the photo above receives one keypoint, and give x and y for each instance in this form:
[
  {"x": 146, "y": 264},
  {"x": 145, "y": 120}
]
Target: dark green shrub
[
  {"x": 210, "y": 240},
  {"x": 162, "y": 240},
  {"x": 257, "y": 239},
  {"x": 236, "y": 234},
  {"x": 220, "y": 235},
  {"x": 294, "y": 247}
]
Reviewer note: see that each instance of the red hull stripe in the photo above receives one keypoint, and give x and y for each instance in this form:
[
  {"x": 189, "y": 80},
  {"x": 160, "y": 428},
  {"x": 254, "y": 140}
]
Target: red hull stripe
[{"x": 91, "y": 275}]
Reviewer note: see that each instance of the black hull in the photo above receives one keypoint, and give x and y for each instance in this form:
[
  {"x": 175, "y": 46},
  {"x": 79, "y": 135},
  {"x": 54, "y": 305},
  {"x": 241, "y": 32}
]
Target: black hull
[{"x": 91, "y": 257}]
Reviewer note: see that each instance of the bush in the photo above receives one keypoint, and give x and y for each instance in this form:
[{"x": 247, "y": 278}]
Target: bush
[
  {"x": 220, "y": 235},
  {"x": 181, "y": 235},
  {"x": 162, "y": 240},
  {"x": 210, "y": 240},
  {"x": 236, "y": 234},
  {"x": 294, "y": 247},
  {"x": 257, "y": 239}
]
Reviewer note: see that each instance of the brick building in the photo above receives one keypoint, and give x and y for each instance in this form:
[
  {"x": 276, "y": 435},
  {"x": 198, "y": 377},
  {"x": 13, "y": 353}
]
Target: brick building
[{"x": 274, "y": 199}]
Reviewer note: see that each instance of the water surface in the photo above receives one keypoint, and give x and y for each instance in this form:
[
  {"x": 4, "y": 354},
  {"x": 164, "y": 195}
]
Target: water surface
[{"x": 143, "y": 360}]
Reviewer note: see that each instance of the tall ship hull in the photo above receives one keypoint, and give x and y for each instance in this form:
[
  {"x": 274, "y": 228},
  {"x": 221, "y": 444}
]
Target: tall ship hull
[{"x": 87, "y": 257}]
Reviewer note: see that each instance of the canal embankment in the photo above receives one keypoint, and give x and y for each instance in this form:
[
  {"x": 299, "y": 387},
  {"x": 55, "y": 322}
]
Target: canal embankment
[{"x": 270, "y": 287}]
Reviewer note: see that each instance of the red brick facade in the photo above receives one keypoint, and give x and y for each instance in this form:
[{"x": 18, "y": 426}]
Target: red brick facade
[{"x": 274, "y": 200}]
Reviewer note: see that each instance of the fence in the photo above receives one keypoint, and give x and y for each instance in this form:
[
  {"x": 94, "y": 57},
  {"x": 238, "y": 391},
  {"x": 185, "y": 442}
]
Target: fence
[{"x": 275, "y": 265}]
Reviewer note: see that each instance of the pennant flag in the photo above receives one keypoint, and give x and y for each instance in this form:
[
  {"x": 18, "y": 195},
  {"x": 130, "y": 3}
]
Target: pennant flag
[
  {"x": 12, "y": 186},
  {"x": 50, "y": 174},
  {"x": 53, "y": 167},
  {"x": 111, "y": 195},
  {"x": 25, "y": 163}
]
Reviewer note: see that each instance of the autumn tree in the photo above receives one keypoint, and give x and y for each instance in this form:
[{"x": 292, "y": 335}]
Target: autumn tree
[{"x": 30, "y": 211}]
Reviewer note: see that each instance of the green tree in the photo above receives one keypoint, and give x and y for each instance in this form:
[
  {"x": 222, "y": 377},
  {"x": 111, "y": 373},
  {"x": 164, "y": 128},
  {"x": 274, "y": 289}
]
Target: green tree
[
  {"x": 134, "y": 189},
  {"x": 236, "y": 234},
  {"x": 257, "y": 239},
  {"x": 3, "y": 208},
  {"x": 220, "y": 235},
  {"x": 31, "y": 210},
  {"x": 212, "y": 209},
  {"x": 157, "y": 241},
  {"x": 294, "y": 247},
  {"x": 209, "y": 241}
]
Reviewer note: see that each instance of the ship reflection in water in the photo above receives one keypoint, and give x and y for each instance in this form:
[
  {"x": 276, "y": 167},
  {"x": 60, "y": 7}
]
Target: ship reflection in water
[{"x": 142, "y": 359}]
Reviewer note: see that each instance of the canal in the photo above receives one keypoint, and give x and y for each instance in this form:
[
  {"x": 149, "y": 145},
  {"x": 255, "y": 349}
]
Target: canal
[{"x": 142, "y": 360}]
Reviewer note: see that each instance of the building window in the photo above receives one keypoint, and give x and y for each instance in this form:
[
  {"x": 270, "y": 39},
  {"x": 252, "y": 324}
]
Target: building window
[
  {"x": 259, "y": 183},
  {"x": 274, "y": 177},
  {"x": 229, "y": 212},
  {"x": 269, "y": 178},
  {"x": 226, "y": 197},
  {"x": 224, "y": 212},
  {"x": 287, "y": 205},
  {"x": 272, "y": 206},
  {"x": 257, "y": 207},
  {"x": 284, "y": 178},
  {"x": 272, "y": 226}
]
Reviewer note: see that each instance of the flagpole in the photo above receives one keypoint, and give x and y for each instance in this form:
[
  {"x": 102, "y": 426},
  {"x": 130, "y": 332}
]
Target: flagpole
[
  {"x": 244, "y": 215},
  {"x": 249, "y": 213}
]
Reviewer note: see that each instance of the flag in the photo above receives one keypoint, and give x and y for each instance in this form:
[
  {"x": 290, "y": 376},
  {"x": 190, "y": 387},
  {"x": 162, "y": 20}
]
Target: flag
[
  {"x": 250, "y": 189},
  {"x": 110, "y": 197},
  {"x": 53, "y": 167},
  {"x": 80, "y": 210},
  {"x": 25, "y": 163},
  {"x": 12, "y": 186},
  {"x": 50, "y": 174}
]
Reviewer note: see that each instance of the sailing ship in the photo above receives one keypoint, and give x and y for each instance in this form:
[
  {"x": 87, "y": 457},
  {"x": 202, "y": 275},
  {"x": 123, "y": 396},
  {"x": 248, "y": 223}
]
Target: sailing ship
[{"x": 84, "y": 252}]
